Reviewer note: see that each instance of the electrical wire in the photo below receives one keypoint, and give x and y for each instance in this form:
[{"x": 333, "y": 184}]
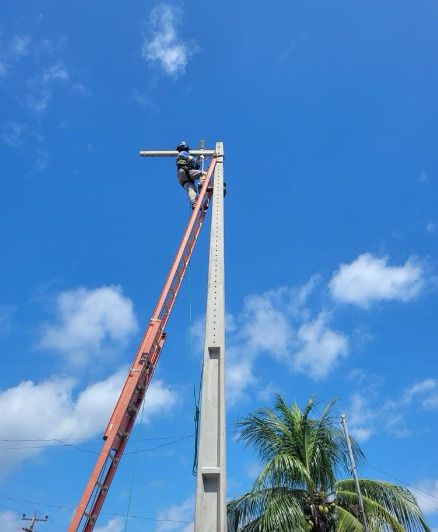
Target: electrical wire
[
  {"x": 78, "y": 439},
  {"x": 403, "y": 483},
  {"x": 56, "y": 444},
  {"x": 109, "y": 514},
  {"x": 162, "y": 445}
]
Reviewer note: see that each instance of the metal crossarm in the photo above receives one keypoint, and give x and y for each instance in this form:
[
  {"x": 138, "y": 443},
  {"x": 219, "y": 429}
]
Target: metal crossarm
[{"x": 140, "y": 374}]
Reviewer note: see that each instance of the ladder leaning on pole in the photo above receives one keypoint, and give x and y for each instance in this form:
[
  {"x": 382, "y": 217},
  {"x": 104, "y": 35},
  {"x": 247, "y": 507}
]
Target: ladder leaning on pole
[{"x": 140, "y": 374}]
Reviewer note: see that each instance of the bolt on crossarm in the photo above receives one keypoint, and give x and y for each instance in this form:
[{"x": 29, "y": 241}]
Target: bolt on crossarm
[{"x": 140, "y": 373}]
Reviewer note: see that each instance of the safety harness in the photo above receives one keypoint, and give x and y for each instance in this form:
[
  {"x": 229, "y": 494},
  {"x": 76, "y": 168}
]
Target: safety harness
[{"x": 186, "y": 163}]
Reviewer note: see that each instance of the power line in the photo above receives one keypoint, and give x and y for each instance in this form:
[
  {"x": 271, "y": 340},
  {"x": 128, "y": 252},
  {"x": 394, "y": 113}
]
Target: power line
[
  {"x": 161, "y": 445},
  {"x": 406, "y": 484},
  {"x": 109, "y": 514},
  {"x": 56, "y": 444},
  {"x": 98, "y": 439}
]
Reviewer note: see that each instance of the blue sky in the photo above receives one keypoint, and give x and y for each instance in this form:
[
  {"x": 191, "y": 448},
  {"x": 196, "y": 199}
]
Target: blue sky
[{"x": 328, "y": 114}]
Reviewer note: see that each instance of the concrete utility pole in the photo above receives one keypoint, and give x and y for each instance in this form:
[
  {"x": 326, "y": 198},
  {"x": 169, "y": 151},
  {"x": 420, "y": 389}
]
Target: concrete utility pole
[
  {"x": 210, "y": 504},
  {"x": 210, "y": 500},
  {"x": 34, "y": 519},
  {"x": 354, "y": 471}
]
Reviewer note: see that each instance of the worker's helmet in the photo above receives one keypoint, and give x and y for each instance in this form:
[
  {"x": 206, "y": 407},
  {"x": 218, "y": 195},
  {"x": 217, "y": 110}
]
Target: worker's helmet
[{"x": 183, "y": 146}]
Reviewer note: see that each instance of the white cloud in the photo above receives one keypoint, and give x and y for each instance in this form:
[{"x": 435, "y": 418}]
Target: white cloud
[
  {"x": 360, "y": 418},
  {"x": 41, "y": 160},
  {"x": 89, "y": 324},
  {"x": 321, "y": 348},
  {"x": 280, "y": 324},
  {"x": 117, "y": 524},
  {"x": 369, "y": 279},
  {"x": 42, "y": 87},
  {"x": 10, "y": 522},
  {"x": 17, "y": 48},
  {"x": 239, "y": 376},
  {"x": 55, "y": 73},
  {"x": 177, "y": 518},
  {"x": 20, "y": 45},
  {"x": 425, "y": 392},
  {"x": 6, "y": 313},
  {"x": 367, "y": 418},
  {"x": 424, "y": 176},
  {"x": 265, "y": 324},
  {"x": 165, "y": 47},
  {"x": 426, "y": 493},
  {"x": 159, "y": 398},
  {"x": 13, "y": 133},
  {"x": 54, "y": 410}
]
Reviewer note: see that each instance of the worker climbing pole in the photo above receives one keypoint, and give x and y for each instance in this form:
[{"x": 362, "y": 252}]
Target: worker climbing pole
[{"x": 211, "y": 465}]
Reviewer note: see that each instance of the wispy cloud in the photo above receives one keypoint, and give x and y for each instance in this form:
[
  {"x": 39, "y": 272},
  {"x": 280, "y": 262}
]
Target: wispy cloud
[
  {"x": 12, "y": 52},
  {"x": 55, "y": 73},
  {"x": 423, "y": 177},
  {"x": 12, "y": 133},
  {"x": 426, "y": 493},
  {"x": 295, "y": 325},
  {"x": 42, "y": 87},
  {"x": 165, "y": 47},
  {"x": 89, "y": 324},
  {"x": 425, "y": 393},
  {"x": 55, "y": 410},
  {"x": 10, "y": 522},
  {"x": 369, "y": 415},
  {"x": 177, "y": 518},
  {"x": 6, "y": 312},
  {"x": 369, "y": 279},
  {"x": 279, "y": 324},
  {"x": 19, "y": 46},
  {"x": 41, "y": 160},
  {"x": 287, "y": 51},
  {"x": 116, "y": 524}
]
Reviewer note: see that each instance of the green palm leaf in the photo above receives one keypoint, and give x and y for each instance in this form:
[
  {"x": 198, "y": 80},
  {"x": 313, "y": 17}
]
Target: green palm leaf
[
  {"x": 297, "y": 489},
  {"x": 392, "y": 500},
  {"x": 266, "y": 510}
]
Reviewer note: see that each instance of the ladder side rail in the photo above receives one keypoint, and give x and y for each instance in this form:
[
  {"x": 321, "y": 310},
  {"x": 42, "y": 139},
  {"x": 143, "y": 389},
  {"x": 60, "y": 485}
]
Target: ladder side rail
[
  {"x": 153, "y": 331},
  {"x": 95, "y": 491},
  {"x": 115, "y": 460},
  {"x": 113, "y": 431},
  {"x": 182, "y": 246},
  {"x": 198, "y": 215}
]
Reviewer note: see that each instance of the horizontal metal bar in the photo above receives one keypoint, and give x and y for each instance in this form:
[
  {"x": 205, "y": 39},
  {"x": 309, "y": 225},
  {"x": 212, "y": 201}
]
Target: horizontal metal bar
[{"x": 173, "y": 153}]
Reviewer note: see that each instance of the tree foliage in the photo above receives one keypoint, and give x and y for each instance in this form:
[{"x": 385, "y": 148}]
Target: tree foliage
[{"x": 297, "y": 488}]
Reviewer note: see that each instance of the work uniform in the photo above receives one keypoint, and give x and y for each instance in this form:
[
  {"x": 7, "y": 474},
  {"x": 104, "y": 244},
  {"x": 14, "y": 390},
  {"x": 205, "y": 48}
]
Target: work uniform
[{"x": 187, "y": 173}]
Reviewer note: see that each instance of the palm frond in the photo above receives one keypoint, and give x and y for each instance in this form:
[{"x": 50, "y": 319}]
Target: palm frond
[
  {"x": 283, "y": 470},
  {"x": 266, "y": 510},
  {"x": 346, "y": 521},
  {"x": 392, "y": 500}
]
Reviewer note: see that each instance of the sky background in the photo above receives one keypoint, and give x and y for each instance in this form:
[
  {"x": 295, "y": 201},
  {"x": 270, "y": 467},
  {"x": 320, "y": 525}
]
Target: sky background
[{"x": 328, "y": 113}]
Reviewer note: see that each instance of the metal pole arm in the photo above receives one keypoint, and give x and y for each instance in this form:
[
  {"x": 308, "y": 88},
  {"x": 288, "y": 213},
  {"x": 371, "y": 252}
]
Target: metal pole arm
[{"x": 174, "y": 153}]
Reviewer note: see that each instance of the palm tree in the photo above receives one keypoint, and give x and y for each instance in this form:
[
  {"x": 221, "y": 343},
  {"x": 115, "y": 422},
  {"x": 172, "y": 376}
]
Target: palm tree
[{"x": 297, "y": 490}]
